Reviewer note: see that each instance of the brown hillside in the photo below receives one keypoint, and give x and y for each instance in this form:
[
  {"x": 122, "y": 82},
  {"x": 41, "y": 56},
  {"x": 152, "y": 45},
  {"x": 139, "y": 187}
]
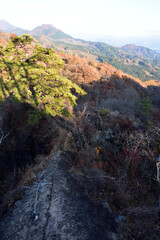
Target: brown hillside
[{"x": 6, "y": 37}]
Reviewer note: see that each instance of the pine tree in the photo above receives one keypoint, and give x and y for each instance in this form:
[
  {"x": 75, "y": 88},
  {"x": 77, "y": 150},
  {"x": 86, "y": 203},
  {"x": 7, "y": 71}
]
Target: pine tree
[{"x": 34, "y": 78}]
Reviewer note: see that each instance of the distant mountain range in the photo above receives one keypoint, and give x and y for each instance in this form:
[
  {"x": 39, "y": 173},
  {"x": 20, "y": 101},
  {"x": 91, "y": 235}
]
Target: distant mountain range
[
  {"x": 138, "y": 61},
  {"x": 49, "y": 31},
  {"x": 151, "y": 41},
  {"x": 7, "y": 27},
  {"x": 138, "y": 50},
  {"x": 46, "y": 29}
]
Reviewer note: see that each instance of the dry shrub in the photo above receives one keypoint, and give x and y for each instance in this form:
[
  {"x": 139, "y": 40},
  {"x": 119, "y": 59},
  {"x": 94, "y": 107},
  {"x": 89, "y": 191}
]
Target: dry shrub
[
  {"x": 124, "y": 178},
  {"x": 125, "y": 102},
  {"x": 118, "y": 74},
  {"x": 80, "y": 73},
  {"x": 106, "y": 69},
  {"x": 134, "y": 167},
  {"x": 142, "y": 223},
  {"x": 80, "y": 70},
  {"x": 28, "y": 175},
  {"x": 15, "y": 183}
]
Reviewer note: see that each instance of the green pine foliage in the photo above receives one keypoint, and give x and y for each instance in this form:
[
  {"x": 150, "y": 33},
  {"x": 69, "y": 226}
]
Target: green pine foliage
[
  {"x": 34, "y": 78},
  {"x": 146, "y": 105}
]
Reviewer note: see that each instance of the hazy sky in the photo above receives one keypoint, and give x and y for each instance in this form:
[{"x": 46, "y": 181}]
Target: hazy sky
[{"x": 105, "y": 17}]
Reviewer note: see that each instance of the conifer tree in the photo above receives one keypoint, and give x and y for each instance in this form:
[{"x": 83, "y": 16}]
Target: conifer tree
[{"x": 34, "y": 78}]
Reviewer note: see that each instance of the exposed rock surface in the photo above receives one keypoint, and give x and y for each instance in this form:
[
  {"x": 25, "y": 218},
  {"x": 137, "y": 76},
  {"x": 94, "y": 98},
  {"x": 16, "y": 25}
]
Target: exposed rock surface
[{"x": 56, "y": 207}]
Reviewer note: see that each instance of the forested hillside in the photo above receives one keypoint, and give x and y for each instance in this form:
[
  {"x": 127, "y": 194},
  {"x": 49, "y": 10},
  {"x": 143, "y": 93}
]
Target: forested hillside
[
  {"x": 138, "y": 61},
  {"x": 137, "y": 65},
  {"x": 102, "y": 120}
]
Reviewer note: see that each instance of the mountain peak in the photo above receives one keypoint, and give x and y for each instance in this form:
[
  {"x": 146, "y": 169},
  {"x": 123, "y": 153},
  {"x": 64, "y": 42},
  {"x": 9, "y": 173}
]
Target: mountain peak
[
  {"x": 50, "y": 31},
  {"x": 47, "y": 30},
  {"x": 129, "y": 46},
  {"x": 6, "y": 26},
  {"x": 45, "y": 27},
  {"x": 48, "y": 25}
]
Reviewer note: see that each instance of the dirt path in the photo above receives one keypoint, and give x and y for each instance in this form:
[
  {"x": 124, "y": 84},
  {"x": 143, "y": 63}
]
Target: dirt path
[{"x": 56, "y": 207}]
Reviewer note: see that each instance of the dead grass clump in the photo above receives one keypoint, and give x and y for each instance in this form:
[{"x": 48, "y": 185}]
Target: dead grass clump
[{"x": 15, "y": 184}]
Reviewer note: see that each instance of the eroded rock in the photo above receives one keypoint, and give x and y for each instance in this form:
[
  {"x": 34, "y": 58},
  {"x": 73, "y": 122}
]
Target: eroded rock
[{"x": 56, "y": 207}]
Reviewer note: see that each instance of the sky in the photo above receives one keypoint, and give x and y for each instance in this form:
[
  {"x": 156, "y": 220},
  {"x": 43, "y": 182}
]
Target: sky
[{"x": 96, "y": 17}]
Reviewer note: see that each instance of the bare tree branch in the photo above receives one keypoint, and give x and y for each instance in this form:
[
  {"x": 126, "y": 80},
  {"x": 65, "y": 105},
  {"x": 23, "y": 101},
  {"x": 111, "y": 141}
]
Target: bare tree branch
[{"x": 3, "y": 136}]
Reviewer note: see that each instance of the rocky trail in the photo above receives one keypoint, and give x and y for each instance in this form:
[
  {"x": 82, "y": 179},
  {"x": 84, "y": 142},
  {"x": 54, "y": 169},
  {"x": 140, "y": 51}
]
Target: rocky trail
[{"x": 56, "y": 207}]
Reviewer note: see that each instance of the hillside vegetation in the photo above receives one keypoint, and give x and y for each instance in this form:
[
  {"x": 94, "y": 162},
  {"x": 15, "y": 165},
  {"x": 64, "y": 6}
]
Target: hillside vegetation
[
  {"x": 111, "y": 137},
  {"x": 138, "y": 61},
  {"x": 137, "y": 65}
]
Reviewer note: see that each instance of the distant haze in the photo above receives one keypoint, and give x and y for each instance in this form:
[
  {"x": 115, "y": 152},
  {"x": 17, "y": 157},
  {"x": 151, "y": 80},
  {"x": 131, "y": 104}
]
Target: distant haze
[
  {"x": 103, "y": 17},
  {"x": 150, "y": 41},
  {"x": 116, "y": 22}
]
